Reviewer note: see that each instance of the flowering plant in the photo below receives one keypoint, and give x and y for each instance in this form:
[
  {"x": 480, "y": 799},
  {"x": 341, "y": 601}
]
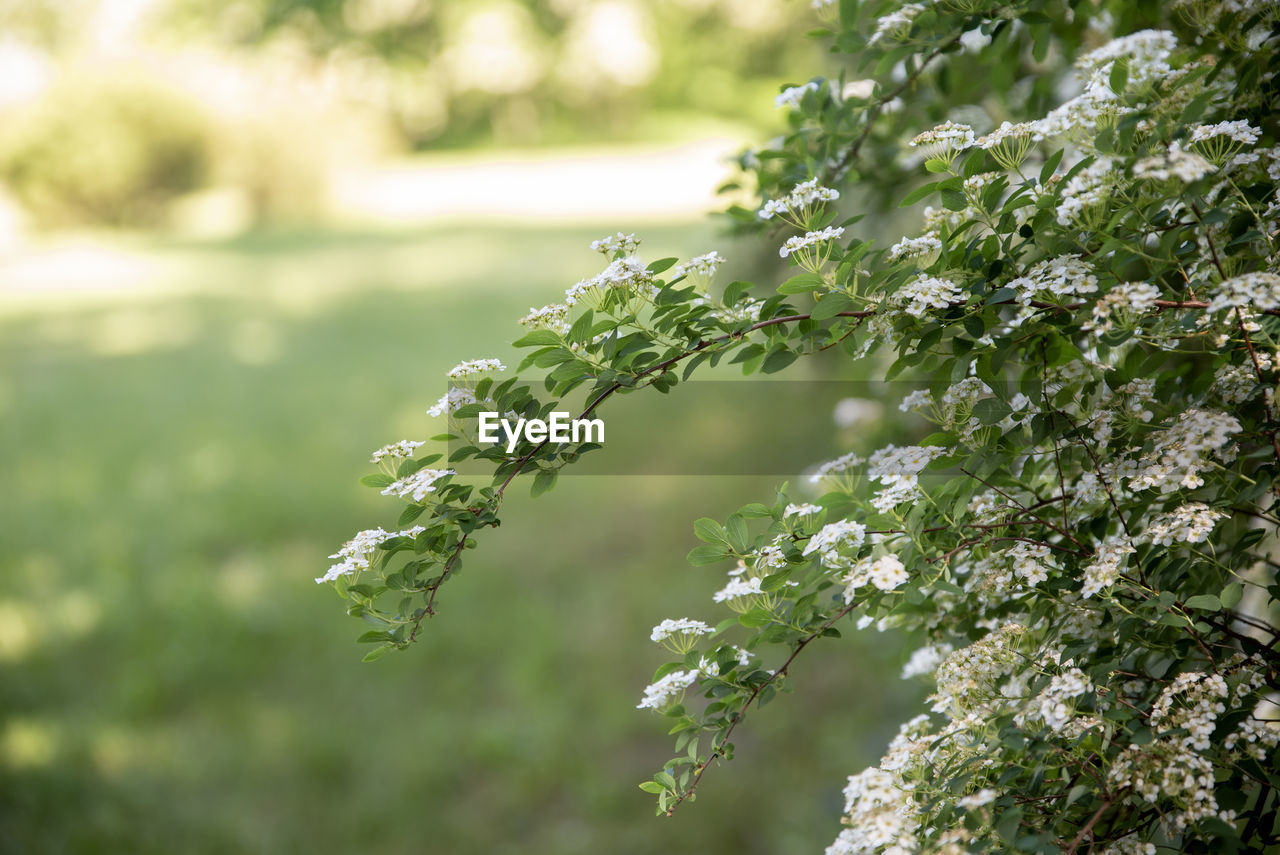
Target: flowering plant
[{"x": 1083, "y": 547}]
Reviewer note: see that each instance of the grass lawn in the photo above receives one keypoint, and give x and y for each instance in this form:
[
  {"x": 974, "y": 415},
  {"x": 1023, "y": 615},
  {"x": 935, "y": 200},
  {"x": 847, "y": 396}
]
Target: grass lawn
[{"x": 178, "y": 466}]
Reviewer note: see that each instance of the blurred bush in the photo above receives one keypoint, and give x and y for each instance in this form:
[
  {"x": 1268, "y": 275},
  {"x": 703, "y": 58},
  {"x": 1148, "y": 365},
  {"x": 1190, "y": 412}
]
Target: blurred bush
[{"x": 112, "y": 149}]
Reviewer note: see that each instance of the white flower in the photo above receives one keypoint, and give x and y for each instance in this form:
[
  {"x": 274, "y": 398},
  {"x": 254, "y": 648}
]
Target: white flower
[
  {"x": 1063, "y": 276},
  {"x": 680, "y": 635},
  {"x": 417, "y": 484},
  {"x": 832, "y": 537},
  {"x": 1180, "y": 452},
  {"x": 623, "y": 243},
  {"x": 1184, "y": 166},
  {"x": 799, "y": 202},
  {"x": 668, "y": 690},
  {"x": 944, "y": 141},
  {"x": 914, "y": 247},
  {"x": 808, "y": 239},
  {"x": 841, "y": 464},
  {"x": 452, "y": 401},
  {"x": 893, "y": 465},
  {"x": 554, "y": 317},
  {"x": 896, "y": 24},
  {"x": 925, "y": 660},
  {"x": 1239, "y": 131},
  {"x": 396, "y": 450},
  {"x": 1190, "y": 523},
  {"x": 1107, "y": 565},
  {"x": 978, "y": 799},
  {"x": 355, "y": 554},
  {"x": 793, "y": 95},
  {"x": 885, "y": 573},
  {"x": 801, "y": 510},
  {"x": 927, "y": 292},
  {"x": 1053, "y": 704},
  {"x": 474, "y": 367},
  {"x": 701, "y": 266},
  {"x": 1258, "y": 290}
]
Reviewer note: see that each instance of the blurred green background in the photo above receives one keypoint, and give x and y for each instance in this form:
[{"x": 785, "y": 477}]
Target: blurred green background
[{"x": 217, "y": 297}]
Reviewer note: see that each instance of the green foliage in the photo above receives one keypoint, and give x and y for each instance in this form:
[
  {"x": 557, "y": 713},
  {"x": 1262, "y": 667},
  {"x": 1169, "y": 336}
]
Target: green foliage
[
  {"x": 1090, "y": 320},
  {"x": 110, "y": 150}
]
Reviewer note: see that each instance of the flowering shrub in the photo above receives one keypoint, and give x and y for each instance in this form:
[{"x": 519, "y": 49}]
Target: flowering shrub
[{"x": 1084, "y": 546}]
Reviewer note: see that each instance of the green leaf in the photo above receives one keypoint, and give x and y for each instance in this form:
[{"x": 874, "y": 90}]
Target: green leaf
[
  {"x": 919, "y": 193},
  {"x": 936, "y": 164},
  {"x": 831, "y": 304},
  {"x": 701, "y": 556},
  {"x": 709, "y": 531},
  {"x": 651, "y": 787},
  {"x": 954, "y": 200},
  {"x": 537, "y": 338},
  {"x": 377, "y": 653},
  {"x": 661, "y": 264},
  {"x": 1046, "y": 171},
  {"x": 1119, "y": 76},
  {"x": 1231, "y": 595},
  {"x": 736, "y": 528},
  {"x": 755, "y": 618},
  {"x": 665, "y": 779},
  {"x": 543, "y": 481},
  {"x": 801, "y": 283},
  {"x": 377, "y": 480},
  {"x": 778, "y": 360},
  {"x": 1204, "y": 602}
]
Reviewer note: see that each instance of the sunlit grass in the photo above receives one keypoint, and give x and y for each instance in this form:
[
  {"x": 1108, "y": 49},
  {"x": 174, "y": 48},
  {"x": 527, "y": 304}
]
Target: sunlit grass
[{"x": 179, "y": 465}]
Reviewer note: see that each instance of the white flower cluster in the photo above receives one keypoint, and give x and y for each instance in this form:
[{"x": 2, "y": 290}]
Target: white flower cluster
[
  {"x": 1258, "y": 290},
  {"x": 802, "y": 510},
  {"x": 927, "y": 292},
  {"x": 616, "y": 243},
  {"x": 680, "y": 635},
  {"x": 968, "y": 678},
  {"x": 914, "y": 247},
  {"x": 896, "y": 24},
  {"x": 742, "y": 593},
  {"x": 1180, "y": 452},
  {"x": 1108, "y": 563},
  {"x": 1008, "y": 132},
  {"x": 1064, "y": 276},
  {"x": 1087, "y": 188},
  {"x": 1053, "y": 705},
  {"x": 1031, "y": 562},
  {"x": 474, "y": 368},
  {"x": 450, "y": 402},
  {"x": 1255, "y": 738},
  {"x": 885, "y": 573},
  {"x": 1190, "y": 523},
  {"x": 396, "y": 451},
  {"x": 554, "y": 317},
  {"x": 800, "y": 243},
  {"x": 898, "y": 470},
  {"x": 880, "y": 813},
  {"x": 925, "y": 660},
  {"x": 1173, "y": 771},
  {"x": 1125, "y": 301},
  {"x": 1192, "y": 702},
  {"x": 670, "y": 689},
  {"x": 793, "y": 95},
  {"x": 702, "y": 267},
  {"x": 1235, "y": 384},
  {"x": 744, "y": 311},
  {"x": 417, "y": 484},
  {"x": 840, "y": 465},
  {"x": 1176, "y": 164},
  {"x": 627, "y": 274},
  {"x": 1239, "y": 131},
  {"x": 354, "y": 556},
  {"x": 1083, "y": 114},
  {"x": 802, "y": 198},
  {"x": 1146, "y": 53},
  {"x": 833, "y": 537},
  {"x": 944, "y": 141}
]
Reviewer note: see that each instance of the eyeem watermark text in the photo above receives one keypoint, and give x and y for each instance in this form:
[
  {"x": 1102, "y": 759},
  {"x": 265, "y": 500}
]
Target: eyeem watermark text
[{"x": 561, "y": 427}]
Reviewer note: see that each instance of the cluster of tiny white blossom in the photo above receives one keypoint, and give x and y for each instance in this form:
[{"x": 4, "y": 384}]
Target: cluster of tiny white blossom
[
  {"x": 554, "y": 317},
  {"x": 474, "y": 368},
  {"x": 797, "y": 245},
  {"x": 355, "y": 554},
  {"x": 1055, "y": 278},
  {"x": 945, "y": 141},
  {"x": 396, "y": 451},
  {"x": 700, "y": 267},
  {"x": 798, "y": 205},
  {"x": 793, "y": 95},
  {"x": 680, "y": 635},
  {"x": 417, "y": 485},
  {"x": 615, "y": 244},
  {"x": 927, "y": 292},
  {"x": 668, "y": 690}
]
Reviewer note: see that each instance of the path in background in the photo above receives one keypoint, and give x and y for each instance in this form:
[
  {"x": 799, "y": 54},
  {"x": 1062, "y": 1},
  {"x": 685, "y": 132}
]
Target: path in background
[{"x": 632, "y": 186}]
